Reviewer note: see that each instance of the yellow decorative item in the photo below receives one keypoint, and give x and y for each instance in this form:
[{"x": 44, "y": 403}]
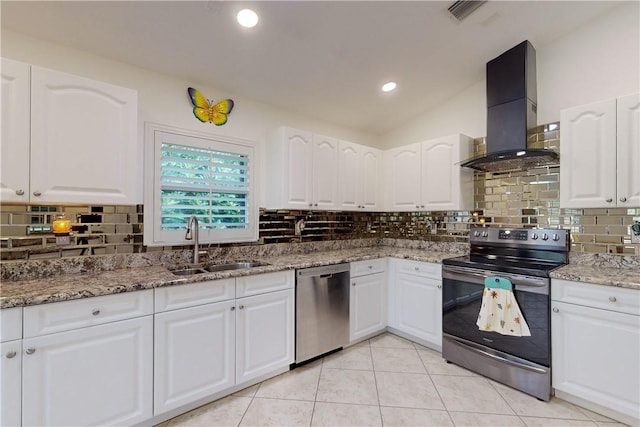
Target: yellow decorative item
[
  {"x": 61, "y": 225},
  {"x": 500, "y": 311},
  {"x": 206, "y": 111}
]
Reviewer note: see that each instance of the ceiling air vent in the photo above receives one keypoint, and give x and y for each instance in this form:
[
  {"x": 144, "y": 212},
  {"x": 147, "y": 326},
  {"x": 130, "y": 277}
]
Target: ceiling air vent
[{"x": 463, "y": 8}]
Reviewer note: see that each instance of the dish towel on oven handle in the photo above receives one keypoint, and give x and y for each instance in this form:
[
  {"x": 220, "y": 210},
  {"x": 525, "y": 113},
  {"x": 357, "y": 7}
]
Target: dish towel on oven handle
[{"x": 500, "y": 311}]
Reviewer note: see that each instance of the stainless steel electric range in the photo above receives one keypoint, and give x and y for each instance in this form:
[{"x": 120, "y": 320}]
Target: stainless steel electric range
[{"x": 525, "y": 257}]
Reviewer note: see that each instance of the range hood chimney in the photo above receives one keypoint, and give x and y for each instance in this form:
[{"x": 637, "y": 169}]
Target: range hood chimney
[{"x": 511, "y": 111}]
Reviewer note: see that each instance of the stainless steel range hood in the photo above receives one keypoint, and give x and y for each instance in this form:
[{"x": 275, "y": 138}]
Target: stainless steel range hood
[{"x": 511, "y": 111}]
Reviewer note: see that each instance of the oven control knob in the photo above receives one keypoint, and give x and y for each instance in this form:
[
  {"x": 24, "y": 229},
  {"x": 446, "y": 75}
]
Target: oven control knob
[
  {"x": 485, "y": 234},
  {"x": 534, "y": 236},
  {"x": 476, "y": 233},
  {"x": 545, "y": 236},
  {"x": 555, "y": 237}
]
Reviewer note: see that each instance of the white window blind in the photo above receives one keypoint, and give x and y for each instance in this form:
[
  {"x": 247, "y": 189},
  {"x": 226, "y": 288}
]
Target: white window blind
[
  {"x": 213, "y": 185},
  {"x": 208, "y": 178}
]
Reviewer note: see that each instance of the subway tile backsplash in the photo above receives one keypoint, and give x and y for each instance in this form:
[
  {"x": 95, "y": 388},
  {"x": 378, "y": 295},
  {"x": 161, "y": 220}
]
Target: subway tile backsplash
[{"x": 514, "y": 199}]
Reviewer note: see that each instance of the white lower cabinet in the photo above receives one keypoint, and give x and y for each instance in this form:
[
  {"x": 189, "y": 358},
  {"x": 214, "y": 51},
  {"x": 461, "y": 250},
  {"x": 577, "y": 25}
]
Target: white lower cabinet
[
  {"x": 415, "y": 296},
  {"x": 208, "y": 341},
  {"x": 367, "y": 298},
  {"x": 194, "y": 354},
  {"x": 99, "y": 375},
  {"x": 596, "y": 348},
  {"x": 11, "y": 383},
  {"x": 11, "y": 366},
  {"x": 264, "y": 334}
]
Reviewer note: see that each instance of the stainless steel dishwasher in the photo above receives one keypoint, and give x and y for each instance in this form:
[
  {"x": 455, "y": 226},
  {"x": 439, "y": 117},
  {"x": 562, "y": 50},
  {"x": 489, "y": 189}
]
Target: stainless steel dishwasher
[{"x": 322, "y": 310}]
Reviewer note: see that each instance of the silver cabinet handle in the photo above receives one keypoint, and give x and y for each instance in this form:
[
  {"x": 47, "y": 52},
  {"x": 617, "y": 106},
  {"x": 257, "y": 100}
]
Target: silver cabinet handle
[
  {"x": 310, "y": 204},
  {"x": 439, "y": 286},
  {"x": 623, "y": 199},
  {"x": 416, "y": 268},
  {"x": 242, "y": 307},
  {"x": 555, "y": 310},
  {"x": 233, "y": 308},
  {"x": 370, "y": 267},
  {"x": 95, "y": 312},
  {"x": 417, "y": 206},
  {"x": 37, "y": 193},
  {"x": 315, "y": 204},
  {"x": 30, "y": 350},
  {"x": 609, "y": 200},
  {"x": 353, "y": 284},
  {"x": 612, "y": 299},
  {"x": 20, "y": 192},
  {"x": 11, "y": 355}
]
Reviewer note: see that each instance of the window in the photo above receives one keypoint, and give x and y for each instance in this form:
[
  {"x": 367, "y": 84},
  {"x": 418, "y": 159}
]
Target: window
[{"x": 193, "y": 174}]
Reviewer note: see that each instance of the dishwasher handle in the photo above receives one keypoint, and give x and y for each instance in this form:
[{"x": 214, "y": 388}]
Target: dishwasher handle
[{"x": 324, "y": 272}]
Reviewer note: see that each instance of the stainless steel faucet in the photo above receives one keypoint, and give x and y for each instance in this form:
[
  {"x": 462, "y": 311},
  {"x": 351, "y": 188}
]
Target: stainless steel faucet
[{"x": 193, "y": 223}]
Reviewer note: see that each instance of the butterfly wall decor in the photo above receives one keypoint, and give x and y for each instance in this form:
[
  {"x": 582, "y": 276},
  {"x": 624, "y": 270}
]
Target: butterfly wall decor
[{"x": 206, "y": 111}]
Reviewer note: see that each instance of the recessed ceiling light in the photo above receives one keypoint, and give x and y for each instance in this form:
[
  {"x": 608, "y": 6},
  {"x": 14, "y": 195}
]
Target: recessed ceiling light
[
  {"x": 247, "y": 18},
  {"x": 389, "y": 86}
]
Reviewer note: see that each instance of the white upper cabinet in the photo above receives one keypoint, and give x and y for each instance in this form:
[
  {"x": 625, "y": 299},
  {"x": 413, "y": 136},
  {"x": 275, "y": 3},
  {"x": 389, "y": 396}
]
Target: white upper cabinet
[
  {"x": 14, "y": 143},
  {"x": 427, "y": 176},
  {"x": 66, "y": 139},
  {"x": 325, "y": 172},
  {"x": 359, "y": 173},
  {"x": 600, "y": 154},
  {"x": 83, "y": 140},
  {"x": 446, "y": 185},
  {"x": 302, "y": 171},
  {"x": 628, "y": 150},
  {"x": 402, "y": 166}
]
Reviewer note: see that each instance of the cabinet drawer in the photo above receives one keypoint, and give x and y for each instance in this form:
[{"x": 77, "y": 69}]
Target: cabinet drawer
[
  {"x": 370, "y": 266},
  {"x": 262, "y": 283},
  {"x": 422, "y": 269},
  {"x": 11, "y": 324},
  {"x": 175, "y": 297},
  {"x": 64, "y": 316},
  {"x": 611, "y": 298}
]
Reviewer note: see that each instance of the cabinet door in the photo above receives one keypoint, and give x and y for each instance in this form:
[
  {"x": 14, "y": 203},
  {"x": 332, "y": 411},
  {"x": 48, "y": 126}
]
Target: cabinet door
[
  {"x": 419, "y": 307},
  {"x": 101, "y": 375},
  {"x": 15, "y": 139},
  {"x": 628, "y": 173},
  {"x": 445, "y": 185},
  {"x": 349, "y": 174},
  {"x": 370, "y": 179},
  {"x": 298, "y": 156},
  {"x": 264, "y": 334},
  {"x": 11, "y": 383},
  {"x": 367, "y": 305},
  {"x": 402, "y": 165},
  {"x": 83, "y": 140},
  {"x": 595, "y": 356},
  {"x": 325, "y": 172},
  {"x": 194, "y": 354},
  {"x": 588, "y": 156}
]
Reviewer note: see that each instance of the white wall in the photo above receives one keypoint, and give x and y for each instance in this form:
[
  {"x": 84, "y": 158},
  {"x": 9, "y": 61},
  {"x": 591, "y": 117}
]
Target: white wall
[
  {"x": 163, "y": 99},
  {"x": 596, "y": 61}
]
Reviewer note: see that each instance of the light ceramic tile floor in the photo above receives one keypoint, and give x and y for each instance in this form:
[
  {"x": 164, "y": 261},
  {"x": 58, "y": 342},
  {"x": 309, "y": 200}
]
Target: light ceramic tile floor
[{"x": 388, "y": 381}]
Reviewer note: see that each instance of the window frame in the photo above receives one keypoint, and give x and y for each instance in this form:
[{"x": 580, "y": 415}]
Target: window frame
[{"x": 155, "y": 136}]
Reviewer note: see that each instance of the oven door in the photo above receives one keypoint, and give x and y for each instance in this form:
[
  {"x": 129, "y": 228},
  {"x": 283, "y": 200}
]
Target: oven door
[{"x": 461, "y": 300}]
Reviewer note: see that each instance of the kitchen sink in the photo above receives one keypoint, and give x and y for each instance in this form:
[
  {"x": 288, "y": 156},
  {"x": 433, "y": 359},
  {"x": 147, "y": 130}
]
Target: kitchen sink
[
  {"x": 212, "y": 268},
  {"x": 188, "y": 271},
  {"x": 241, "y": 265}
]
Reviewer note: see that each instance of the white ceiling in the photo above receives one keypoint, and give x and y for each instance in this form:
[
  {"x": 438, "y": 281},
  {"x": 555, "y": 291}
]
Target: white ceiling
[{"x": 326, "y": 60}]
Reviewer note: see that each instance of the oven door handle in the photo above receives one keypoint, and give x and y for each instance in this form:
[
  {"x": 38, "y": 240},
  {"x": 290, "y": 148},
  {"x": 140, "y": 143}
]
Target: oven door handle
[
  {"x": 473, "y": 275},
  {"x": 498, "y": 358}
]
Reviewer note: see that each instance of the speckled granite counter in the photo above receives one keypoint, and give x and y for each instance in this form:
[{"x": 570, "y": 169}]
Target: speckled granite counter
[
  {"x": 608, "y": 276},
  {"x": 16, "y": 293}
]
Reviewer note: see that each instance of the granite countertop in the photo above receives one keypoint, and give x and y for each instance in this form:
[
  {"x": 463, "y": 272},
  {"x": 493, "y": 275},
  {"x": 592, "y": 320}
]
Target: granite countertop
[
  {"x": 608, "y": 276},
  {"x": 17, "y": 293}
]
